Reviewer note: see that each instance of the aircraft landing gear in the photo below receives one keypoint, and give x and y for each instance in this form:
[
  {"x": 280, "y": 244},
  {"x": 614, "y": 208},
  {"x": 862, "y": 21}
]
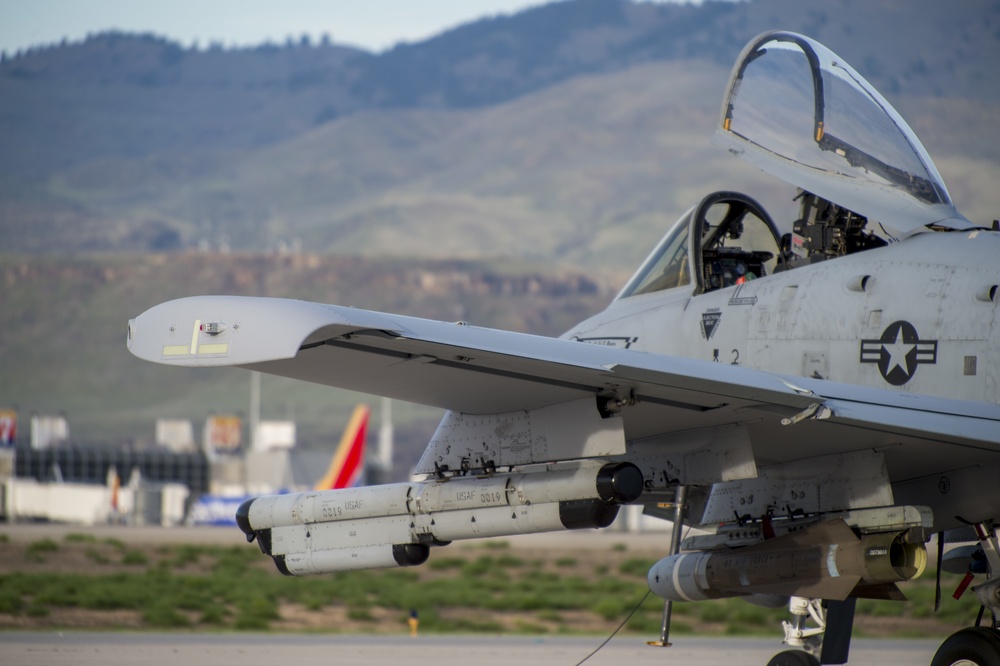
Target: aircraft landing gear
[
  {"x": 979, "y": 645},
  {"x": 828, "y": 642},
  {"x": 975, "y": 646},
  {"x": 793, "y": 658},
  {"x": 798, "y": 634}
]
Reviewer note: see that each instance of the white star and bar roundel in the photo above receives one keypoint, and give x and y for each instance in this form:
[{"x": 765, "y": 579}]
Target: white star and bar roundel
[{"x": 899, "y": 352}]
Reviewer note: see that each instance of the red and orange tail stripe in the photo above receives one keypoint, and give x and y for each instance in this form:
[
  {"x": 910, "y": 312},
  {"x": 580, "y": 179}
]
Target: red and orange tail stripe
[
  {"x": 348, "y": 461},
  {"x": 116, "y": 486}
]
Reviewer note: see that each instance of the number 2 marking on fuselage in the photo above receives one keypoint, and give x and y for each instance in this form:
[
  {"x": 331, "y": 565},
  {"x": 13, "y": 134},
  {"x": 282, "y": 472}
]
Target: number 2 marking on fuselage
[{"x": 735, "y": 353}]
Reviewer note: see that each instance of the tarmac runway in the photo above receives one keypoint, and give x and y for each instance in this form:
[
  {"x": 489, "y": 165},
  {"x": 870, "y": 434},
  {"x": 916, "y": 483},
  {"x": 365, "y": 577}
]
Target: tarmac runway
[{"x": 150, "y": 649}]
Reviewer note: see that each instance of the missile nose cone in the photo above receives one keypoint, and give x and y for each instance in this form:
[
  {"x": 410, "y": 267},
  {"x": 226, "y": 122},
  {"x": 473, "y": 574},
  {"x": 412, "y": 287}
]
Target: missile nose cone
[
  {"x": 243, "y": 518},
  {"x": 658, "y": 576},
  {"x": 620, "y": 483},
  {"x": 410, "y": 554}
]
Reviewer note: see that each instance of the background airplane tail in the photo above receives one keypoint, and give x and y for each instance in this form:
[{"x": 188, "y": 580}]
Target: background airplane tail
[{"x": 347, "y": 464}]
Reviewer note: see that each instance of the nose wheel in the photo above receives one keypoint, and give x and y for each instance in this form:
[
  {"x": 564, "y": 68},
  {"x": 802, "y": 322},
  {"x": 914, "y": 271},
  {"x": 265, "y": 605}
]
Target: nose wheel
[{"x": 793, "y": 658}]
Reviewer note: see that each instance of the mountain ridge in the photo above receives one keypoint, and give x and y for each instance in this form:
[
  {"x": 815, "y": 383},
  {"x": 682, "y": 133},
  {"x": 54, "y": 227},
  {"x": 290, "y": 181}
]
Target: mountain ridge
[{"x": 132, "y": 142}]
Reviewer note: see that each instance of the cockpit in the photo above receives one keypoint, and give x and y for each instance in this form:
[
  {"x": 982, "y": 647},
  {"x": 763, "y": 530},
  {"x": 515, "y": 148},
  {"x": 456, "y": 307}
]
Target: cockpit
[
  {"x": 796, "y": 110},
  {"x": 728, "y": 239}
]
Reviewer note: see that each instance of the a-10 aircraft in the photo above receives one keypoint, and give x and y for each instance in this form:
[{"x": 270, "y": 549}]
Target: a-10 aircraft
[{"x": 822, "y": 402}]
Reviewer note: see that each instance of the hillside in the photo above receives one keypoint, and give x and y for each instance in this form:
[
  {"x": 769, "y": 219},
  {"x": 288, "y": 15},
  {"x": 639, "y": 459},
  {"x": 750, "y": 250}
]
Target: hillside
[
  {"x": 589, "y": 171},
  {"x": 585, "y": 119},
  {"x": 559, "y": 173}
]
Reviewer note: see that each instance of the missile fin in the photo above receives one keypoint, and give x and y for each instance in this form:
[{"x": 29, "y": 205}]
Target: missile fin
[
  {"x": 837, "y": 588},
  {"x": 886, "y": 591}
]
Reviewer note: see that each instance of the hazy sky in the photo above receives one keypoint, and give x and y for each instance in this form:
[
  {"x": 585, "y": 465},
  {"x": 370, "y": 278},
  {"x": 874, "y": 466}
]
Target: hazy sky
[{"x": 372, "y": 24}]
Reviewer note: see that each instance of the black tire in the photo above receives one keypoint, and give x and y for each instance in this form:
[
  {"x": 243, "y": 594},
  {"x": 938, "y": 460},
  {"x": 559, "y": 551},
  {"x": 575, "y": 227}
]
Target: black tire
[
  {"x": 793, "y": 658},
  {"x": 975, "y": 646}
]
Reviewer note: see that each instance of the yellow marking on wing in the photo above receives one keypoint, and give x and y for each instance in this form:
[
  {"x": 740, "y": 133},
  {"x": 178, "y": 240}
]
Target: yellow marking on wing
[
  {"x": 176, "y": 350},
  {"x": 194, "y": 336},
  {"x": 219, "y": 348}
]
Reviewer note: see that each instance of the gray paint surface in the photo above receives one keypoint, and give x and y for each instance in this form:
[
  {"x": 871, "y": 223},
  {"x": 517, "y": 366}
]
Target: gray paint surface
[{"x": 112, "y": 649}]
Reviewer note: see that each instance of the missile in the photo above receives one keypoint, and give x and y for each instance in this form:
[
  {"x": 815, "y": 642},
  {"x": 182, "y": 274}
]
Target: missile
[
  {"x": 825, "y": 561},
  {"x": 394, "y": 525}
]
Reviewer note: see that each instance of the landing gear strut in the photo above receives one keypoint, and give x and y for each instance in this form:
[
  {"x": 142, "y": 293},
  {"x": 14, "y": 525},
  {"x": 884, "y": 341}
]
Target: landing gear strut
[
  {"x": 797, "y": 633},
  {"x": 828, "y": 642}
]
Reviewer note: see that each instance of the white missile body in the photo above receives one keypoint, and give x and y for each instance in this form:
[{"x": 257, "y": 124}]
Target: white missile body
[{"x": 394, "y": 525}]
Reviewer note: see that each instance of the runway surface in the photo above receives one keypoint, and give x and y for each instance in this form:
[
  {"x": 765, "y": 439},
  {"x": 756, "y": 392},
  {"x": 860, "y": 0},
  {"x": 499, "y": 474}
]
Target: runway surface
[{"x": 114, "y": 649}]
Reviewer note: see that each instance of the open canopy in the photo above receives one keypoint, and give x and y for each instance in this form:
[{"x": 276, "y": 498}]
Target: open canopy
[{"x": 798, "y": 111}]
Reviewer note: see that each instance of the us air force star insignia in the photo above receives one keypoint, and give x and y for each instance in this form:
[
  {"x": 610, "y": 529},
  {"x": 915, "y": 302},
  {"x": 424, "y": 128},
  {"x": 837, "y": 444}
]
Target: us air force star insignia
[{"x": 898, "y": 352}]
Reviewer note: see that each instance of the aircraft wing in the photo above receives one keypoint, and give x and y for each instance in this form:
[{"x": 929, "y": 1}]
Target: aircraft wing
[{"x": 480, "y": 371}]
